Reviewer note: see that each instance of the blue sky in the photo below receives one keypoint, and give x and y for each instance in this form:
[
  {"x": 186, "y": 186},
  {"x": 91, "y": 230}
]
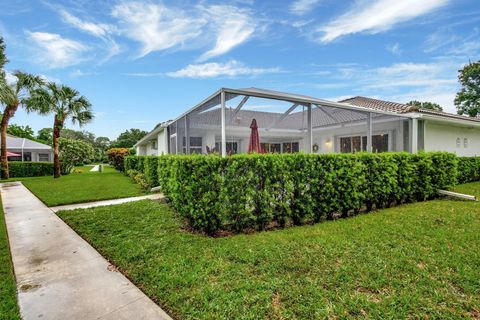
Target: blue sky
[{"x": 142, "y": 62}]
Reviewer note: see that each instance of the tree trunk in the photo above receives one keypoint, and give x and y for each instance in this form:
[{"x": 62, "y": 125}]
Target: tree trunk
[
  {"x": 7, "y": 115},
  {"x": 57, "y": 127}
]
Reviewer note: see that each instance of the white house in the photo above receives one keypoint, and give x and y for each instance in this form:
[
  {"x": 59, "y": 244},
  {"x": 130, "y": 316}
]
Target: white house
[
  {"x": 291, "y": 123},
  {"x": 22, "y": 149}
]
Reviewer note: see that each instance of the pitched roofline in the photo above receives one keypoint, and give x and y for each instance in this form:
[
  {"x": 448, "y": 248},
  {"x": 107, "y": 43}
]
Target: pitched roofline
[{"x": 157, "y": 129}]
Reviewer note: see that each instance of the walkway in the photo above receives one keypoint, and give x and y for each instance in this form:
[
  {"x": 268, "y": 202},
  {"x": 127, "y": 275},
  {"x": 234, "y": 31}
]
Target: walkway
[
  {"x": 156, "y": 196},
  {"x": 59, "y": 275}
]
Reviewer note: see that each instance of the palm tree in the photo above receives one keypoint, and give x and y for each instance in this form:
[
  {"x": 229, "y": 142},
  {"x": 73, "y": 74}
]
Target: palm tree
[
  {"x": 65, "y": 103},
  {"x": 13, "y": 95}
]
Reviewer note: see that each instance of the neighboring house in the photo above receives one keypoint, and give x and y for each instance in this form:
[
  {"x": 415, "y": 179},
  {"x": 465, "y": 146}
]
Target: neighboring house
[
  {"x": 311, "y": 125},
  {"x": 22, "y": 149}
]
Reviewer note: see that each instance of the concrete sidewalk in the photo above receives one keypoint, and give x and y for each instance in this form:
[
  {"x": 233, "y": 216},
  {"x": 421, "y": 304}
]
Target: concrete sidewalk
[
  {"x": 59, "y": 275},
  {"x": 85, "y": 205}
]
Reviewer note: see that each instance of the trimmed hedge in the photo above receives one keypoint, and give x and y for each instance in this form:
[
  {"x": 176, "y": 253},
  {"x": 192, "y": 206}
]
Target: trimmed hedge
[
  {"x": 468, "y": 169},
  {"x": 255, "y": 192},
  {"x": 20, "y": 169},
  {"x": 147, "y": 165}
]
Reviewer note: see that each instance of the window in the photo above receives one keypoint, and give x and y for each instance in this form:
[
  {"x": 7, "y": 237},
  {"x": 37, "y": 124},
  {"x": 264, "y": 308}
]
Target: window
[
  {"x": 359, "y": 143},
  {"x": 271, "y": 147},
  {"x": 458, "y": 142},
  {"x": 465, "y": 142},
  {"x": 44, "y": 157},
  {"x": 345, "y": 144},
  {"x": 232, "y": 147},
  {"x": 154, "y": 144},
  {"x": 195, "y": 145},
  {"x": 380, "y": 143},
  {"x": 27, "y": 156},
  {"x": 290, "y": 147}
]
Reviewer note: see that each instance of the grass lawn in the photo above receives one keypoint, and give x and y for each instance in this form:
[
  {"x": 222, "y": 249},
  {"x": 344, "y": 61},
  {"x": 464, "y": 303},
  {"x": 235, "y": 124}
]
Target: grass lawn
[
  {"x": 82, "y": 186},
  {"x": 8, "y": 290},
  {"x": 472, "y": 188},
  {"x": 417, "y": 261}
]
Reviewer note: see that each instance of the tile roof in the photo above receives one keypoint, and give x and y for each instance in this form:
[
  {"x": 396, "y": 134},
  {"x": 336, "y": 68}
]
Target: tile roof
[
  {"x": 377, "y": 104},
  {"x": 396, "y": 107}
]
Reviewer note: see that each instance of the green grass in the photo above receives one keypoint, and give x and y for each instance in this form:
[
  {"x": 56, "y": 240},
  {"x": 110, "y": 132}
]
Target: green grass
[
  {"x": 82, "y": 186},
  {"x": 8, "y": 290},
  {"x": 417, "y": 261},
  {"x": 472, "y": 189}
]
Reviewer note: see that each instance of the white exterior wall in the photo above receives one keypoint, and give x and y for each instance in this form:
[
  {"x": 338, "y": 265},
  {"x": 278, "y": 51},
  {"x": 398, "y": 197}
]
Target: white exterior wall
[
  {"x": 162, "y": 144},
  {"x": 443, "y": 137},
  {"x": 328, "y": 139}
]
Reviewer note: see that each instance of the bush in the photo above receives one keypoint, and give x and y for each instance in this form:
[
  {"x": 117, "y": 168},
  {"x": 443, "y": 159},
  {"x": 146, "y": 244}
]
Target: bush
[
  {"x": 116, "y": 157},
  {"x": 139, "y": 178},
  {"x": 74, "y": 153},
  {"x": 256, "y": 192},
  {"x": 19, "y": 169},
  {"x": 145, "y": 164},
  {"x": 468, "y": 169}
]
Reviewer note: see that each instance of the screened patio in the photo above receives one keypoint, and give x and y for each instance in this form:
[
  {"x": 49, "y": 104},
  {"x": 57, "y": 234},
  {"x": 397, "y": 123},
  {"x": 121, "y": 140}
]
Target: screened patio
[{"x": 288, "y": 123}]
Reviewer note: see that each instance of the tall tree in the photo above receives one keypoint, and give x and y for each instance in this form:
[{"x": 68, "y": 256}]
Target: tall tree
[
  {"x": 425, "y": 105},
  {"x": 128, "y": 138},
  {"x": 21, "y": 131},
  {"x": 467, "y": 100},
  {"x": 13, "y": 95},
  {"x": 64, "y": 103},
  {"x": 45, "y": 134}
]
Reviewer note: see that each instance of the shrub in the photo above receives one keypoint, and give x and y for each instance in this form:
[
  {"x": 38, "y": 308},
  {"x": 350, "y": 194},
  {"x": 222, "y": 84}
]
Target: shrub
[
  {"x": 256, "y": 192},
  {"x": 147, "y": 165},
  {"x": 139, "y": 178},
  {"x": 74, "y": 153},
  {"x": 468, "y": 169},
  {"x": 19, "y": 169},
  {"x": 116, "y": 157}
]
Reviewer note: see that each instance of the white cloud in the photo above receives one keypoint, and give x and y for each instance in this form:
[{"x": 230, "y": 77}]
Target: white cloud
[
  {"x": 213, "y": 69},
  {"x": 156, "y": 26},
  {"x": 100, "y": 30},
  {"x": 434, "y": 81},
  {"x": 394, "y": 48},
  {"x": 79, "y": 73},
  {"x": 232, "y": 27},
  {"x": 54, "y": 51},
  {"x": 301, "y": 7},
  {"x": 95, "y": 29},
  {"x": 375, "y": 16}
]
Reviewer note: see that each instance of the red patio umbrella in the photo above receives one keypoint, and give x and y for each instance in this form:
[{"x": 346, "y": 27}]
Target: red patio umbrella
[
  {"x": 12, "y": 154},
  {"x": 254, "y": 144}
]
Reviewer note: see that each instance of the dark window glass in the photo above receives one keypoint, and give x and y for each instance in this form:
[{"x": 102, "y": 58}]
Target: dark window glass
[
  {"x": 295, "y": 147},
  {"x": 345, "y": 144},
  {"x": 27, "y": 156},
  {"x": 275, "y": 148},
  {"x": 232, "y": 147},
  {"x": 364, "y": 143},
  {"x": 380, "y": 143},
  {"x": 356, "y": 144}
]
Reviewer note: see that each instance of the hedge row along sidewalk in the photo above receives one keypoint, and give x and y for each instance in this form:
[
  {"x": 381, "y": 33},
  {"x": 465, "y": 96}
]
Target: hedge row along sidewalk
[{"x": 256, "y": 192}]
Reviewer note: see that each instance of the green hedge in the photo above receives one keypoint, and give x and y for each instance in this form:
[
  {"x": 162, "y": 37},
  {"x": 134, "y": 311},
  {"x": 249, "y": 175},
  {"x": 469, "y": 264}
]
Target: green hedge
[
  {"x": 19, "y": 169},
  {"x": 147, "y": 165},
  {"x": 468, "y": 169},
  {"x": 256, "y": 192}
]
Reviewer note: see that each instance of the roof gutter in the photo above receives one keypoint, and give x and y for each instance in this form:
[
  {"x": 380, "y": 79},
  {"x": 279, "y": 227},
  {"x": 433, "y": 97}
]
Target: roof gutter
[{"x": 439, "y": 118}]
